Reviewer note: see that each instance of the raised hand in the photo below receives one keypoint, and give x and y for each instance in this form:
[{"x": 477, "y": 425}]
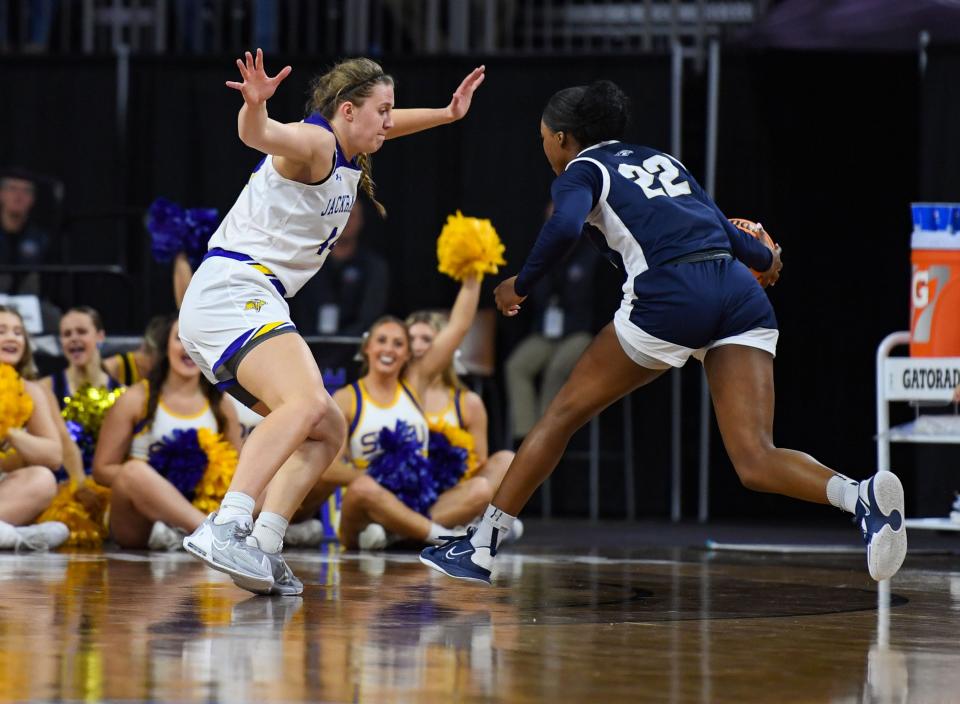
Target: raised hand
[
  {"x": 257, "y": 87},
  {"x": 463, "y": 95}
]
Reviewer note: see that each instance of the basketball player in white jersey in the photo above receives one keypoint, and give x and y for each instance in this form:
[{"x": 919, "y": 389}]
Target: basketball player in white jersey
[{"x": 235, "y": 322}]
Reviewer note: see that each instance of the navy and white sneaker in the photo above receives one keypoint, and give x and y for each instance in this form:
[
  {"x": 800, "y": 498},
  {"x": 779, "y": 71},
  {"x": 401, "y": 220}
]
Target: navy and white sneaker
[
  {"x": 879, "y": 514},
  {"x": 454, "y": 559}
]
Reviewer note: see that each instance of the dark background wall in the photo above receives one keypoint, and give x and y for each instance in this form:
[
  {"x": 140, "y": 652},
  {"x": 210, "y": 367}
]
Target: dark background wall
[{"x": 827, "y": 150}]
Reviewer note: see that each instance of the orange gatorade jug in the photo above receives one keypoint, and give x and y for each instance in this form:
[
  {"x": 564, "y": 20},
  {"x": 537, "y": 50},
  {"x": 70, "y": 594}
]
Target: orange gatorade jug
[{"x": 935, "y": 284}]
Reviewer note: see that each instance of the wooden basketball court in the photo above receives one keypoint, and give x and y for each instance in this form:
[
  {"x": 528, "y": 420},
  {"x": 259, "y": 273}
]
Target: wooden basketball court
[{"x": 656, "y": 623}]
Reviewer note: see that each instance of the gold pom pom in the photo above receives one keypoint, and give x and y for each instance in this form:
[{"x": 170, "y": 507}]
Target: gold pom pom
[
  {"x": 83, "y": 511},
  {"x": 16, "y": 405},
  {"x": 221, "y": 464},
  {"x": 458, "y": 437},
  {"x": 88, "y": 405},
  {"x": 469, "y": 247}
]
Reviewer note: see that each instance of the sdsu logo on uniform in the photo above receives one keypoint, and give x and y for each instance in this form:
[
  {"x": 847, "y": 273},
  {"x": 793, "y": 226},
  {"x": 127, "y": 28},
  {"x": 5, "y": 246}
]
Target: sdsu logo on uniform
[{"x": 256, "y": 304}]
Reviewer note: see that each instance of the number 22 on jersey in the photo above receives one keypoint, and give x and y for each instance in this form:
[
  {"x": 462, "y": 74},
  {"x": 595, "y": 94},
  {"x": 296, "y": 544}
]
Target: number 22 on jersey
[{"x": 657, "y": 167}]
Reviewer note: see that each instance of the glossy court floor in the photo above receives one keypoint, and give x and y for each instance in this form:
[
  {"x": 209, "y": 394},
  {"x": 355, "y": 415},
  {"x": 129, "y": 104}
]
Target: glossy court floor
[{"x": 577, "y": 614}]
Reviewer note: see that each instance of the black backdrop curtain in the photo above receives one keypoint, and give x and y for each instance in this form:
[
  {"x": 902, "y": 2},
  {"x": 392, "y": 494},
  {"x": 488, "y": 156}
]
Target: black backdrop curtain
[{"x": 825, "y": 149}]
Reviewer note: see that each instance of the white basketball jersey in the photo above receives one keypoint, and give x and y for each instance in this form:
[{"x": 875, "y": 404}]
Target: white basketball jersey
[
  {"x": 286, "y": 226},
  {"x": 370, "y": 418}
]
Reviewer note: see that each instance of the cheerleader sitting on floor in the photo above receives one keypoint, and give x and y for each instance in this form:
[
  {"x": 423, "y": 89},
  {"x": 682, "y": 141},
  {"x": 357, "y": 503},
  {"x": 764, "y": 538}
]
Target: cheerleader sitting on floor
[
  {"x": 30, "y": 449},
  {"x": 157, "y": 448},
  {"x": 388, "y": 393}
]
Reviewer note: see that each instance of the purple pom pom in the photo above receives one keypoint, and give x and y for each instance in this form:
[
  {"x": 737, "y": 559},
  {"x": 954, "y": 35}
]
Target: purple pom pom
[
  {"x": 166, "y": 223},
  {"x": 447, "y": 462},
  {"x": 402, "y": 468},
  {"x": 201, "y": 223},
  {"x": 180, "y": 460}
]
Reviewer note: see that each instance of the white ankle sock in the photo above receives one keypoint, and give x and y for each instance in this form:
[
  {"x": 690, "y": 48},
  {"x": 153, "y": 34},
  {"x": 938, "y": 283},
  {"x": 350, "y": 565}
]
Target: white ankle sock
[
  {"x": 843, "y": 492},
  {"x": 269, "y": 531},
  {"x": 234, "y": 507},
  {"x": 490, "y": 532},
  {"x": 437, "y": 534}
]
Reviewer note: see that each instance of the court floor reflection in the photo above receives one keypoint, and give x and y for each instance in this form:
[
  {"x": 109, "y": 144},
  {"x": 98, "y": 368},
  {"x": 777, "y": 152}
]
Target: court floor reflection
[{"x": 664, "y": 626}]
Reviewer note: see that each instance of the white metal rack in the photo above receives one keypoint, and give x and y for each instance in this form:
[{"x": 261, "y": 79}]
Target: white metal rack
[{"x": 912, "y": 379}]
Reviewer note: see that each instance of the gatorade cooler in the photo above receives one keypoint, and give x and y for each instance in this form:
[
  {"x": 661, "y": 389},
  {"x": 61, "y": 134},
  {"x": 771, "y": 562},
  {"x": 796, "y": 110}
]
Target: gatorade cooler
[{"x": 935, "y": 284}]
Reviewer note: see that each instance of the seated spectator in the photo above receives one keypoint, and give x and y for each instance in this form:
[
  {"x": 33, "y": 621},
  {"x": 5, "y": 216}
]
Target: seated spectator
[
  {"x": 22, "y": 242},
  {"x": 562, "y": 305},
  {"x": 31, "y": 454}
]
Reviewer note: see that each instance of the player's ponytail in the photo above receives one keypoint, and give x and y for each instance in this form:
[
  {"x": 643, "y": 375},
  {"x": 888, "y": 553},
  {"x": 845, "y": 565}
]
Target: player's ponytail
[
  {"x": 352, "y": 81},
  {"x": 366, "y": 182},
  {"x": 590, "y": 114}
]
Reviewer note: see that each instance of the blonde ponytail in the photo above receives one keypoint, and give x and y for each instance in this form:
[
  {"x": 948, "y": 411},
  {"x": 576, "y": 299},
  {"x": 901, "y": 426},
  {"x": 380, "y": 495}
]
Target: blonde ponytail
[{"x": 366, "y": 182}]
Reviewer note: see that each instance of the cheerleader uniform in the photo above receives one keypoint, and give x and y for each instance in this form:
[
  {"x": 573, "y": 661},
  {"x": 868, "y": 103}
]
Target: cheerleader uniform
[
  {"x": 369, "y": 418},
  {"x": 452, "y": 415},
  {"x": 274, "y": 239},
  {"x": 164, "y": 423},
  {"x": 127, "y": 370}
]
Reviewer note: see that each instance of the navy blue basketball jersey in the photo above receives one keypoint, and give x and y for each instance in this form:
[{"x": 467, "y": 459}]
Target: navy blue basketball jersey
[
  {"x": 646, "y": 207},
  {"x": 649, "y": 208}
]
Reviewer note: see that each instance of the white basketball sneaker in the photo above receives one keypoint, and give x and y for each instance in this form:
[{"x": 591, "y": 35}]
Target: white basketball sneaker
[{"x": 879, "y": 514}]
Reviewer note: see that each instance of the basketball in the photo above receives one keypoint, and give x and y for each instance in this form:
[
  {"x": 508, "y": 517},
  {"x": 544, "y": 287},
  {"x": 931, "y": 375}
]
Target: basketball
[{"x": 754, "y": 229}]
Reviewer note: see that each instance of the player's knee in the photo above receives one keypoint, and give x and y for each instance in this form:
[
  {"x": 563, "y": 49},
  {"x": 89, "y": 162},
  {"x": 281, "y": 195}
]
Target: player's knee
[
  {"x": 313, "y": 408},
  {"x": 567, "y": 412},
  {"x": 753, "y": 468}
]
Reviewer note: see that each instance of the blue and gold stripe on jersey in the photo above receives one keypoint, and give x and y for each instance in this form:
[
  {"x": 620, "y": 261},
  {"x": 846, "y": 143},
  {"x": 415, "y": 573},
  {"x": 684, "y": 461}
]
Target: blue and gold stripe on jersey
[{"x": 240, "y": 257}]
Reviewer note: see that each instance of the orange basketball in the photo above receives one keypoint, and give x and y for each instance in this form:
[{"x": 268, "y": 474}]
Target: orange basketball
[{"x": 754, "y": 229}]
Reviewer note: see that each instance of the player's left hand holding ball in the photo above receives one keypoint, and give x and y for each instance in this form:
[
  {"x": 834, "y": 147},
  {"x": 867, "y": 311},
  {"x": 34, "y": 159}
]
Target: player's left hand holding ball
[
  {"x": 463, "y": 95},
  {"x": 505, "y": 295},
  {"x": 770, "y": 276}
]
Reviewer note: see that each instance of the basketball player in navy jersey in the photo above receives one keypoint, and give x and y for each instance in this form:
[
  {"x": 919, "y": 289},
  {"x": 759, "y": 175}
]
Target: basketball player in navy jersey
[{"x": 687, "y": 292}]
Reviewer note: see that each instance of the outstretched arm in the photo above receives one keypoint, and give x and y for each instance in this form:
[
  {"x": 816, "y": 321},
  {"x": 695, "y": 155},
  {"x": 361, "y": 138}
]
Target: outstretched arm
[
  {"x": 296, "y": 141},
  {"x": 445, "y": 345},
  {"x": 409, "y": 120},
  {"x": 574, "y": 193}
]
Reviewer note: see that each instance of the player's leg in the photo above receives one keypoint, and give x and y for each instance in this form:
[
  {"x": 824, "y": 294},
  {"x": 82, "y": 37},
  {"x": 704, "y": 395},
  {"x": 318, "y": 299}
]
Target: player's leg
[
  {"x": 281, "y": 372},
  {"x": 741, "y": 384},
  {"x": 603, "y": 374}
]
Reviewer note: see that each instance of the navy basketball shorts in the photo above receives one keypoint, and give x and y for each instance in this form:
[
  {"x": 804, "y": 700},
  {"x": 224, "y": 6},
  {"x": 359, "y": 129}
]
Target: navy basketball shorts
[{"x": 683, "y": 310}]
